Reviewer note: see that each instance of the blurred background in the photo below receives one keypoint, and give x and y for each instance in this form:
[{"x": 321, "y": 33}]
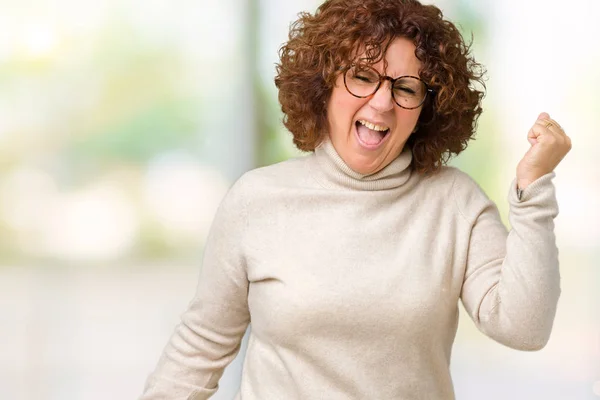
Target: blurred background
[{"x": 124, "y": 122}]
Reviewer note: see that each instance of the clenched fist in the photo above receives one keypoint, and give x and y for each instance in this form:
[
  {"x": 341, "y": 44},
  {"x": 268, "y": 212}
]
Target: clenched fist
[{"x": 549, "y": 145}]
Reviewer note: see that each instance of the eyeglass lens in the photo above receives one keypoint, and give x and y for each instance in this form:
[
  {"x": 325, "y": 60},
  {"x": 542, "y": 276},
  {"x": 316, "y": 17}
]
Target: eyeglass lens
[{"x": 407, "y": 91}]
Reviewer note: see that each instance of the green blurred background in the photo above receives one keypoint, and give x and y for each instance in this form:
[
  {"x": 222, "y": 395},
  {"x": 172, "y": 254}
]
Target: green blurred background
[{"x": 123, "y": 123}]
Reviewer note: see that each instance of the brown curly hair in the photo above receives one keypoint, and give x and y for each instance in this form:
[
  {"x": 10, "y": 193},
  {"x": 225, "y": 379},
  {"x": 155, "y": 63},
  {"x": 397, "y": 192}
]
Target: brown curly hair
[{"x": 320, "y": 45}]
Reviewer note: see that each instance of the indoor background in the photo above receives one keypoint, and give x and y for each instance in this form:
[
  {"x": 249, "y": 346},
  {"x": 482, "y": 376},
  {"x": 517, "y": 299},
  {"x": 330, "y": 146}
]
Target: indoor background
[{"x": 124, "y": 122}]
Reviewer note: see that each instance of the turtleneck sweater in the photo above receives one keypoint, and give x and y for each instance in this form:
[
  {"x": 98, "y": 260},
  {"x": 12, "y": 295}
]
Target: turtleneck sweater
[{"x": 351, "y": 283}]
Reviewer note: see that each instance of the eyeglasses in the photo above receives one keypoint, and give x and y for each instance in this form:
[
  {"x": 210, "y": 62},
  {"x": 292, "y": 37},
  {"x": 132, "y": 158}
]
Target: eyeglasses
[{"x": 407, "y": 91}]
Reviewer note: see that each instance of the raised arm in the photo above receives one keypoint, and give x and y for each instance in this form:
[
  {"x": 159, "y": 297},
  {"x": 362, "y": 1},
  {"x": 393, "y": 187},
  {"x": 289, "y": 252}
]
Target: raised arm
[{"x": 512, "y": 282}]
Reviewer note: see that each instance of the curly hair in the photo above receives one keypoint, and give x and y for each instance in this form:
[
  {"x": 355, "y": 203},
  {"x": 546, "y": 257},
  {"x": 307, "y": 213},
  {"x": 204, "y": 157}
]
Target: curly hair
[{"x": 320, "y": 45}]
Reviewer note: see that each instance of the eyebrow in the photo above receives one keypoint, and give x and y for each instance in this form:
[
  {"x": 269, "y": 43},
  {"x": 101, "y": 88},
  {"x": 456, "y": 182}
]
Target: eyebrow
[{"x": 365, "y": 63}]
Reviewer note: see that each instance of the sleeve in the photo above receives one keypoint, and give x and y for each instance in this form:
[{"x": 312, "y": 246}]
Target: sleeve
[
  {"x": 512, "y": 282},
  {"x": 210, "y": 332}
]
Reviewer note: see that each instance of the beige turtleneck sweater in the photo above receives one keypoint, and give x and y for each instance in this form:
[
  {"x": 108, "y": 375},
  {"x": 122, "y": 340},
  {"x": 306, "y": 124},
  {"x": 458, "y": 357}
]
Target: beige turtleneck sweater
[{"x": 352, "y": 282}]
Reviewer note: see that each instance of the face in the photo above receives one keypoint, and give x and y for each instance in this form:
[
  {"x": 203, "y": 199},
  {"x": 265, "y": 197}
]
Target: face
[{"x": 369, "y": 133}]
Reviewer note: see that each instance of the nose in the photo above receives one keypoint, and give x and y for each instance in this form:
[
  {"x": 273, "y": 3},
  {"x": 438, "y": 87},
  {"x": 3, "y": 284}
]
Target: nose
[{"x": 382, "y": 100}]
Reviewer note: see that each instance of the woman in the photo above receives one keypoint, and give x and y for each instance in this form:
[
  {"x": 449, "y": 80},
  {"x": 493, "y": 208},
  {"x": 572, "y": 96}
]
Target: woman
[{"x": 350, "y": 262}]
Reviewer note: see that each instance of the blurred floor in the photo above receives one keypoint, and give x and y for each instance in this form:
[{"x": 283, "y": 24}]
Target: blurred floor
[{"x": 88, "y": 334}]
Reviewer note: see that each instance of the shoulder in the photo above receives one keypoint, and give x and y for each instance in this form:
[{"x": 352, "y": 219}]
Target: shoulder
[
  {"x": 443, "y": 180},
  {"x": 282, "y": 174},
  {"x": 263, "y": 182},
  {"x": 462, "y": 191}
]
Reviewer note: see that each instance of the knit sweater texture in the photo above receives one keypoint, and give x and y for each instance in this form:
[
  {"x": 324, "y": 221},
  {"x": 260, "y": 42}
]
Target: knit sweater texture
[{"x": 351, "y": 283}]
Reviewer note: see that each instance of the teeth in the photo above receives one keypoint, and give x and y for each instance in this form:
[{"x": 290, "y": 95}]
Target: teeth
[{"x": 373, "y": 126}]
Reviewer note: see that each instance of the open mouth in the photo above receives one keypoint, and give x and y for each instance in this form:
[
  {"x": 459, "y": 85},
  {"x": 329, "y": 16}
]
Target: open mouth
[{"x": 371, "y": 135}]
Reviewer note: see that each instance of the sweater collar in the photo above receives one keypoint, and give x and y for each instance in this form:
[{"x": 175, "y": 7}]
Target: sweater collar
[{"x": 335, "y": 173}]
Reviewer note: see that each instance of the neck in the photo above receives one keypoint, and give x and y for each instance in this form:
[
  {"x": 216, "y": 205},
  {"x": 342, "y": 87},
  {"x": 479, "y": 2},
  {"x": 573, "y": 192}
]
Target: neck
[{"x": 335, "y": 173}]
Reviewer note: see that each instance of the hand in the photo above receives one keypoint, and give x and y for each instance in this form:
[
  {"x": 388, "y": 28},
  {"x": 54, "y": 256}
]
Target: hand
[{"x": 549, "y": 145}]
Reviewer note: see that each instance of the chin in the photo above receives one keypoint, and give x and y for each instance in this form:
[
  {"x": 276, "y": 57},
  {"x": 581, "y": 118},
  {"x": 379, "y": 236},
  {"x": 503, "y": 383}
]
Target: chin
[{"x": 365, "y": 167}]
